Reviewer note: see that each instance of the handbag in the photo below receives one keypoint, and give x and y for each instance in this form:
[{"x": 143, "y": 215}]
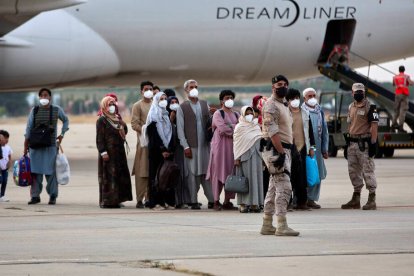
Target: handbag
[
  {"x": 62, "y": 168},
  {"x": 168, "y": 175},
  {"x": 312, "y": 172},
  {"x": 236, "y": 183},
  {"x": 40, "y": 137}
]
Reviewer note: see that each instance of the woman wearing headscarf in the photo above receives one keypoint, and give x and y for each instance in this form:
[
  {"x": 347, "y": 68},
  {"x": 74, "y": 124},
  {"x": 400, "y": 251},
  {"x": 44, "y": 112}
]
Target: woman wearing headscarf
[
  {"x": 160, "y": 147},
  {"x": 321, "y": 136},
  {"x": 182, "y": 192},
  {"x": 113, "y": 172},
  {"x": 247, "y": 157}
]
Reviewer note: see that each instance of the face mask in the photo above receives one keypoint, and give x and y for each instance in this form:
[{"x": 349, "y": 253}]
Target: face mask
[
  {"x": 193, "y": 93},
  {"x": 358, "y": 97},
  {"x": 312, "y": 102},
  {"x": 111, "y": 109},
  {"x": 295, "y": 103},
  {"x": 148, "y": 94},
  {"x": 249, "y": 118},
  {"x": 281, "y": 92},
  {"x": 174, "y": 106},
  {"x": 163, "y": 104},
  {"x": 229, "y": 103},
  {"x": 44, "y": 101}
]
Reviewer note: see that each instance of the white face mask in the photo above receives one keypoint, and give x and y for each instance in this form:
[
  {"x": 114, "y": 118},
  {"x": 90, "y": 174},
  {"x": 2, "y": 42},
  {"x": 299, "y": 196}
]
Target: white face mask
[
  {"x": 229, "y": 103},
  {"x": 174, "y": 106},
  {"x": 112, "y": 109},
  {"x": 148, "y": 94},
  {"x": 295, "y": 103},
  {"x": 193, "y": 93},
  {"x": 44, "y": 101},
  {"x": 249, "y": 118},
  {"x": 163, "y": 103},
  {"x": 312, "y": 102}
]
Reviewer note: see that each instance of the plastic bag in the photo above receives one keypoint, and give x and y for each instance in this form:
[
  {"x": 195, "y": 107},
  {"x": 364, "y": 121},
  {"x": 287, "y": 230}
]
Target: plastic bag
[
  {"x": 143, "y": 138},
  {"x": 312, "y": 172},
  {"x": 62, "y": 168}
]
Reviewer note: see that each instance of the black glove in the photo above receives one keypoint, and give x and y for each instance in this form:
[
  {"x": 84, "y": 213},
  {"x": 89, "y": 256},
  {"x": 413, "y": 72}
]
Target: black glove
[
  {"x": 262, "y": 144},
  {"x": 372, "y": 149},
  {"x": 280, "y": 161},
  {"x": 346, "y": 152}
]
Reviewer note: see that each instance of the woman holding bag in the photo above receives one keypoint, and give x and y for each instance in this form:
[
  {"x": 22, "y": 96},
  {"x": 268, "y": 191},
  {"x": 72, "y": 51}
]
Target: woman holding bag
[
  {"x": 113, "y": 172},
  {"x": 247, "y": 158}
]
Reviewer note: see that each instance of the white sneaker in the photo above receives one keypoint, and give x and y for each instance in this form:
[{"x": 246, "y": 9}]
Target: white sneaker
[
  {"x": 4, "y": 199},
  {"x": 158, "y": 208}
]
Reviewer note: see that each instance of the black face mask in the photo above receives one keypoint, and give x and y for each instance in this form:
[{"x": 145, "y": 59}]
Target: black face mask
[
  {"x": 281, "y": 92},
  {"x": 359, "y": 97}
]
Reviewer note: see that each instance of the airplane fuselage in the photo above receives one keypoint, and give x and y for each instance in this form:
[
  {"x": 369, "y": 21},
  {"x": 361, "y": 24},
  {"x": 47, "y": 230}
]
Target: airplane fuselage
[{"x": 120, "y": 43}]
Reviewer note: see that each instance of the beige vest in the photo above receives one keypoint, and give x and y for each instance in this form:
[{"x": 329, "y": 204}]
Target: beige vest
[
  {"x": 358, "y": 118},
  {"x": 190, "y": 123},
  {"x": 277, "y": 119}
]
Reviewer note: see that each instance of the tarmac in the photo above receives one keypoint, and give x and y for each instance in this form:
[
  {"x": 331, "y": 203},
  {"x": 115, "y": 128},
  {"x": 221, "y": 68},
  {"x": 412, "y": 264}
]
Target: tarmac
[{"x": 76, "y": 237}]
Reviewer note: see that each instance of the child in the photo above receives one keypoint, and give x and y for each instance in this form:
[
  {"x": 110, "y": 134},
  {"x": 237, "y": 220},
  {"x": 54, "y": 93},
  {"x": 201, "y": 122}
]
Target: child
[{"x": 4, "y": 163}]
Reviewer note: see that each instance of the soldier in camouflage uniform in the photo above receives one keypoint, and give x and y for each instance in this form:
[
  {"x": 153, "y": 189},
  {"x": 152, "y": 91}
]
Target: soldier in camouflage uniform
[
  {"x": 363, "y": 130},
  {"x": 277, "y": 131}
]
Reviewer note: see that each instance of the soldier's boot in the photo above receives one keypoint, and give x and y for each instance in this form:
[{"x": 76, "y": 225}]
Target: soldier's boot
[
  {"x": 371, "y": 205},
  {"x": 354, "y": 203},
  {"x": 267, "y": 227},
  {"x": 283, "y": 229}
]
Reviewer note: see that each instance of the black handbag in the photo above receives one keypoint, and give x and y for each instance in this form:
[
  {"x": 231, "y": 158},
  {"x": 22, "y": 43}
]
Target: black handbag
[
  {"x": 40, "y": 137},
  {"x": 236, "y": 183}
]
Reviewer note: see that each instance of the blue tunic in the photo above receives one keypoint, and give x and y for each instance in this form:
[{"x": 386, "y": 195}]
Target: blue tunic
[{"x": 43, "y": 160}]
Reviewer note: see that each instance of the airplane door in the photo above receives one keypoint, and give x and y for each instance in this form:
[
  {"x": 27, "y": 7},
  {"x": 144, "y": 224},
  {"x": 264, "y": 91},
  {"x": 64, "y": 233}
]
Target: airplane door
[{"x": 337, "y": 32}]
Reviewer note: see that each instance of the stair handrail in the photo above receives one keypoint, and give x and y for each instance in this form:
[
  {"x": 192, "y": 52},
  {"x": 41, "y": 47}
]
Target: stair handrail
[{"x": 371, "y": 62}]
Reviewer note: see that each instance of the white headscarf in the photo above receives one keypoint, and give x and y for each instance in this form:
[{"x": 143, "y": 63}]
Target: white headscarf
[
  {"x": 245, "y": 134},
  {"x": 160, "y": 116}
]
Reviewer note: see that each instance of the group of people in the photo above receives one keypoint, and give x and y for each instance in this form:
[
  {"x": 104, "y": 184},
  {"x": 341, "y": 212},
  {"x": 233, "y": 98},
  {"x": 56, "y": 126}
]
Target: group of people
[{"x": 209, "y": 144}]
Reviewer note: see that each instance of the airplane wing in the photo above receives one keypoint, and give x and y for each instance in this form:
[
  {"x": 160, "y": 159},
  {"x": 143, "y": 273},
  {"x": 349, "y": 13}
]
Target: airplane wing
[{"x": 14, "y": 13}]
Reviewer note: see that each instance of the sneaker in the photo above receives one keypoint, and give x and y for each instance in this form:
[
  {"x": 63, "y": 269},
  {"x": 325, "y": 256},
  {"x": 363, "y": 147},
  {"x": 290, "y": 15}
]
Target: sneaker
[
  {"x": 4, "y": 199},
  {"x": 140, "y": 205},
  {"x": 312, "y": 204},
  {"x": 158, "y": 208},
  {"x": 34, "y": 200},
  {"x": 229, "y": 206},
  {"x": 52, "y": 200}
]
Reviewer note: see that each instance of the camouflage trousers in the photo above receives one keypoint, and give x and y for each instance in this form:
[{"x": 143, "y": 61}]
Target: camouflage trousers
[
  {"x": 361, "y": 167},
  {"x": 279, "y": 191}
]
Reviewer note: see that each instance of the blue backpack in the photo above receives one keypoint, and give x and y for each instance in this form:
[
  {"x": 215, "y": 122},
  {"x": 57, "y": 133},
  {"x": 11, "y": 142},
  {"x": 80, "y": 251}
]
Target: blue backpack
[{"x": 22, "y": 175}]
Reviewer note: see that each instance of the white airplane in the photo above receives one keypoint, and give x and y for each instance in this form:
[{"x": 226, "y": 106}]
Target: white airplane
[{"x": 59, "y": 43}]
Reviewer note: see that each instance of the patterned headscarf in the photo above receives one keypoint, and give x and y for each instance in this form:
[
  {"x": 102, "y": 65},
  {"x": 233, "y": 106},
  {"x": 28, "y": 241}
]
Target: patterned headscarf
[
  {"x": 160, "y": 116},
  {"x": 112, "y": 118}
]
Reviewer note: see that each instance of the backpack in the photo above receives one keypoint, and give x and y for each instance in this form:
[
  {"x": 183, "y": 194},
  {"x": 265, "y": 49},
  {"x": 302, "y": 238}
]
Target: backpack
[
  {"x": 168, "y": 175},
  {"x": 22, "y": 175},
  {"x": 209, "y": 125}
]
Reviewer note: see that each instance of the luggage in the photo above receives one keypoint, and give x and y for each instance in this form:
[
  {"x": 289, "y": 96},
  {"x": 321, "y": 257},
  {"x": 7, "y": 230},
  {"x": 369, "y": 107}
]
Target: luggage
[{"x": 22, "y": 175}]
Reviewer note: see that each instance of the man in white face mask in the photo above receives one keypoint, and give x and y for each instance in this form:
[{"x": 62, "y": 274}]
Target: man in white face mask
[
  {"x": 139, "y": 116},
  {"x": 43, "y": 156},
  {"x": 192, "y": 117},
  {"x": 321, "y": 136}
]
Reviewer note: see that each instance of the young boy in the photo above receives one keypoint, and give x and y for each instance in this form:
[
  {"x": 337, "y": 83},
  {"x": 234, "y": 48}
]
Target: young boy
[{"x": 4, "y": 163}]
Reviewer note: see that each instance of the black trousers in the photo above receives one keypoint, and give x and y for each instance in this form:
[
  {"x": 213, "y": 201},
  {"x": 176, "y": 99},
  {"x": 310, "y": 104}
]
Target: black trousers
[{"x": 298, "y": 175}]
